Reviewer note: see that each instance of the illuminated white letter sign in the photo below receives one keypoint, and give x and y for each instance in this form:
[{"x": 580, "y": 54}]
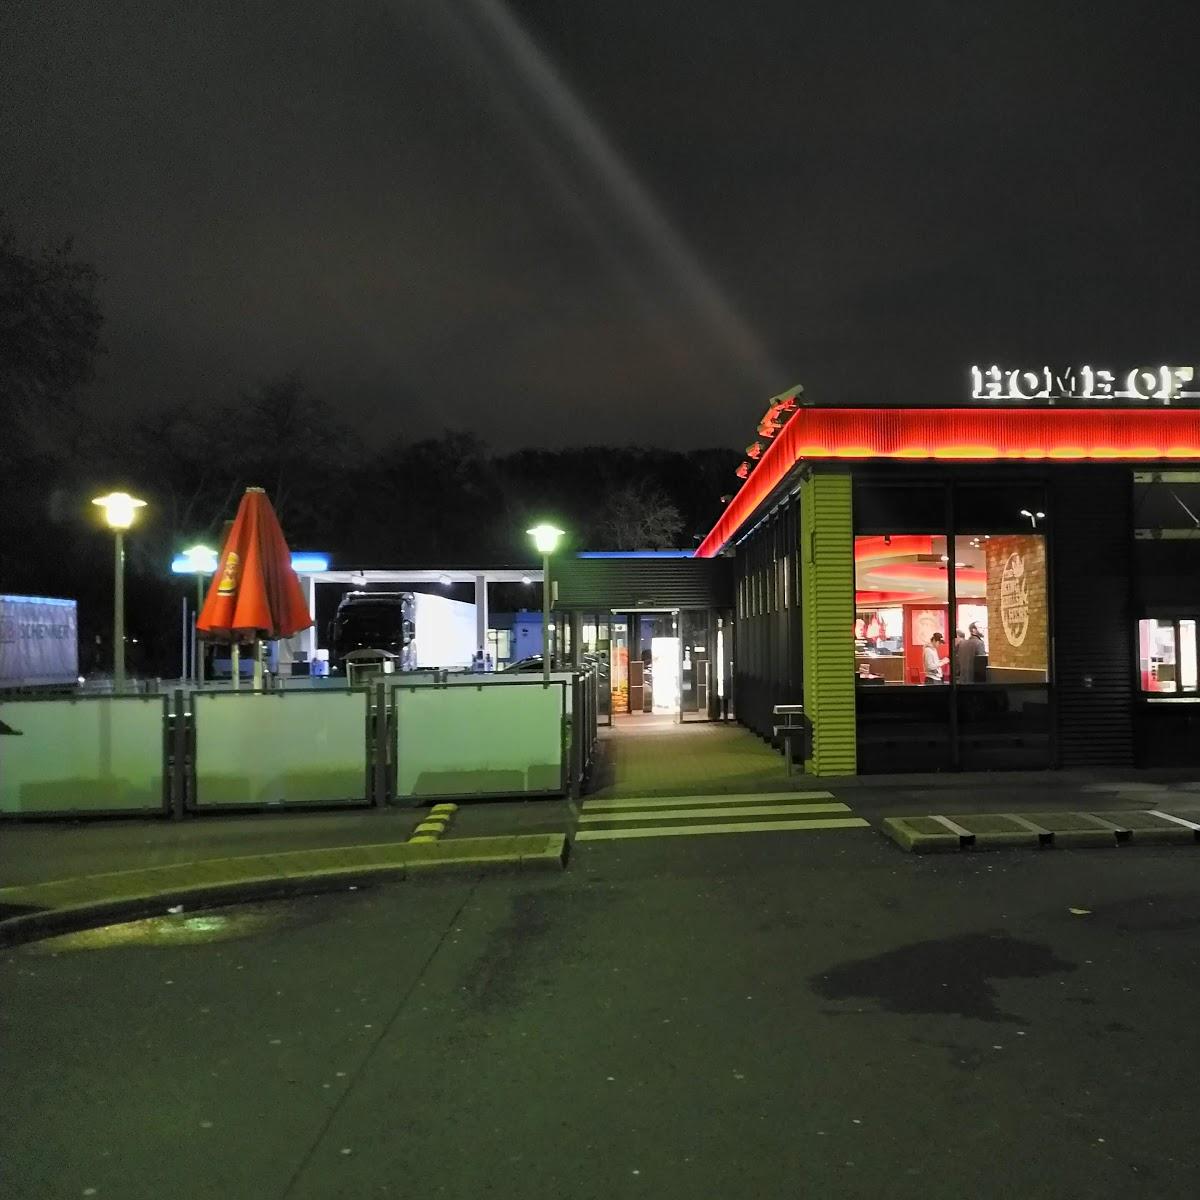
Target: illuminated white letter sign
[{"x": 1020, "y": 385}]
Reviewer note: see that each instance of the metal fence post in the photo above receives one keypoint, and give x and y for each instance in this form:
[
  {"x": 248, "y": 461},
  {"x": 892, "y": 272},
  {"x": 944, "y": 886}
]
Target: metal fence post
[
  {"x": 179, "y": 742},
  {"x": 578, "y": 719},
  {"x": 379, "y": 796}
]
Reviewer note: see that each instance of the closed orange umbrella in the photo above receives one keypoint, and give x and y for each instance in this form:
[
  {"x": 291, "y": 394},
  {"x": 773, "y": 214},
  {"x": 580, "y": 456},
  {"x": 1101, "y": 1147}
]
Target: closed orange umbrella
[{"x": 255, "y": 593}]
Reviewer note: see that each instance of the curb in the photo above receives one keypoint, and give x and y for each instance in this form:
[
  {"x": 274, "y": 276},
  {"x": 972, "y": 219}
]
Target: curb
[
  {"x": 63, "y": 905},
  {"x": 992, "y": 831},
  {"x": 434, "y": 823}
]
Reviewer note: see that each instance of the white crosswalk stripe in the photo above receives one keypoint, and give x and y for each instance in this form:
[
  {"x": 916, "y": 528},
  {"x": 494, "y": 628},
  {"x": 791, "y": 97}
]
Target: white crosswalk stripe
[{"x": 693, "y": 816}]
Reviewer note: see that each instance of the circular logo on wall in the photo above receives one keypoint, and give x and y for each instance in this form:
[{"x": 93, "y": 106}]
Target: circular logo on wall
[
  {"x": 229, "y": 576},
  {"x": 1014, "y": 600}
]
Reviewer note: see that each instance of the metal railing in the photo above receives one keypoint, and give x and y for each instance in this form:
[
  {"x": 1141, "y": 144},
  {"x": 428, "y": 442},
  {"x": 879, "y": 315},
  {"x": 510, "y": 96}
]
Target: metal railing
[{"x": 792, "y": 730}]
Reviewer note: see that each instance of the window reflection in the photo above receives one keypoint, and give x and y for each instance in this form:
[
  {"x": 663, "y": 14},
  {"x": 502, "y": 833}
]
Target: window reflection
[
  {"x": 1156, "y": 649},
  {"x": 1187, "y": 655}
]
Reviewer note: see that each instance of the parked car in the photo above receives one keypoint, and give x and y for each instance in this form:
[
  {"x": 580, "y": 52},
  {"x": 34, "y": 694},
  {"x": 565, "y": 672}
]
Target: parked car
[{"x": 532, "y": 663}]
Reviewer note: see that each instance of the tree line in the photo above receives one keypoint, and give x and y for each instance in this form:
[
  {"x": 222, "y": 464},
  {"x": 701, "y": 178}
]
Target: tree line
[{"x": 434, "y": 500}]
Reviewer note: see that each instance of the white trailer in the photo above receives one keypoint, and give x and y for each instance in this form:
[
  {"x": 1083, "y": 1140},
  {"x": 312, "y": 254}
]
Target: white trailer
[
  {"x": 39, "y": 642},
  {"x": 444, "y": 632}
]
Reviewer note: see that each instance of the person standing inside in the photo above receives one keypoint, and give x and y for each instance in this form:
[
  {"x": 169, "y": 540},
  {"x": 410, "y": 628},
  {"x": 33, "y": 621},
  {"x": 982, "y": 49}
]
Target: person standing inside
[
  {"x": 974, "y": 652},
  {"x": 935, "y": 660}
]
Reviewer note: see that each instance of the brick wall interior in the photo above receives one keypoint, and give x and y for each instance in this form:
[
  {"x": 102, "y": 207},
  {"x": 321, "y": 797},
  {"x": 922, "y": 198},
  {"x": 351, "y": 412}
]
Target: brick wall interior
[{"x": 1016, "y": 599}]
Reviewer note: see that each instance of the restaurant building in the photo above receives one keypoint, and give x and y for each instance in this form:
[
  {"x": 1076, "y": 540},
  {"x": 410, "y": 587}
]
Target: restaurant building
[{"x": 1012, "y": 582}]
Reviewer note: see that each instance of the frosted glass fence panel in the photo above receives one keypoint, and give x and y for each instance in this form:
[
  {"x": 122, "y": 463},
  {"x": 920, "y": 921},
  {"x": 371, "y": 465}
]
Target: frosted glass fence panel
[
  {"x": 492, "y": 739},
  {"x": 254, "y": 749},
  {"x": 501, "y": 679},
  {"x": 96, "y": 755}
]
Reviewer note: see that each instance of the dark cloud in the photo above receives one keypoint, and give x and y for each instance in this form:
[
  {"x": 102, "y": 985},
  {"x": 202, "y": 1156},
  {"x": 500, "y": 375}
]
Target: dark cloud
[{"x": 394, "y": 199}]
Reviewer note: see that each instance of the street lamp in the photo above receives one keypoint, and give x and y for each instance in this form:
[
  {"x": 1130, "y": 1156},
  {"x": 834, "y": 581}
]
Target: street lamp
[
  {"x": 1034, "y": 517},
  {"x": 545, "y": 539},
  {"x": 198, "y": 560},
  {"x": 119, "y": 510}
]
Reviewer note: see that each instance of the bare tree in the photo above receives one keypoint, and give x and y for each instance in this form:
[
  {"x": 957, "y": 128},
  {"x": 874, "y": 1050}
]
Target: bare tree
[
  {"x": 49, "y": 333},
  {"x": 638, "y": 516}
]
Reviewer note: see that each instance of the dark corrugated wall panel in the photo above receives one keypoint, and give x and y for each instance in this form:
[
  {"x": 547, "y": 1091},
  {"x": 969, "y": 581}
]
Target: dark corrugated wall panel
[
  {"x": 1093, "y": 619},
  {"x": 768, "y": 661},
  {"x": 630, "y": 583}
]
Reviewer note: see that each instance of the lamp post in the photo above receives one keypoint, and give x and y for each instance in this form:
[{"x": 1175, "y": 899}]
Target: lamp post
[
  {"x": 545, "y": 539},
  {"x": 198, "y": 560},
  {"x": 119, "y": 511}
]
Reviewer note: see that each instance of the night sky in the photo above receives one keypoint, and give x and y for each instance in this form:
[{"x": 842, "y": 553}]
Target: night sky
[{"x": 556, "y": 222}]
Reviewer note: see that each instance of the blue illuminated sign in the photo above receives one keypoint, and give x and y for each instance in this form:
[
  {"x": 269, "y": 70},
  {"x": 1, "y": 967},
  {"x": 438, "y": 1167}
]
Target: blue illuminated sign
[{"x": 304, "y": 563}]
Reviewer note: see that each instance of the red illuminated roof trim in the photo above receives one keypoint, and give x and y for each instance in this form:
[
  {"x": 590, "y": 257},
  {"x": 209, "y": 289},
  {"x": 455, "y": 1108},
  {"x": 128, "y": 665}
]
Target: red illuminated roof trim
[{"x": 959, "y": 435}]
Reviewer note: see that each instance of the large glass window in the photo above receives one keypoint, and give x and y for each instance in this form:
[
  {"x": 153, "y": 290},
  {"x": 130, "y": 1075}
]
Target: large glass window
[
  {"x": 1167, "y": 654},
  {"x": 500, "y": 645},
  {"x": 1001, "y": 630},
  {"x": 903, "y": 631},
  {"x": 901, "y": 598}
]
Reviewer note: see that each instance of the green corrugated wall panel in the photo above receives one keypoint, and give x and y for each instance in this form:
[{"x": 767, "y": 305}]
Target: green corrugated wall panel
[{"x": 827, "y": 592}]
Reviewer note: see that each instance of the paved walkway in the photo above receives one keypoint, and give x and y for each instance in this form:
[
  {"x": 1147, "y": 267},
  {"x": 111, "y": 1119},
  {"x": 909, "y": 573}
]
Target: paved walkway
[{"x": 649, "y": 756}]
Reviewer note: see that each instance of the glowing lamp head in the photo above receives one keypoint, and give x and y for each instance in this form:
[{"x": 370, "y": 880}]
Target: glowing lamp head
[
  {"x": 119, "y": 509},
  {"x": 199, "y": 560},
  {"x": 545, "y": 537}
]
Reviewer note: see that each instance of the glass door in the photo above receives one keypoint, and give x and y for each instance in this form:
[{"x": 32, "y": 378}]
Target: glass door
[
  {"x": 595, "y": 652},
  {"x": 695, "y": 665},
  {"x": 618, "y": 658}
]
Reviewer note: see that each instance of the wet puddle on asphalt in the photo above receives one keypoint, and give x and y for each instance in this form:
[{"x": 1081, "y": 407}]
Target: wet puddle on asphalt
[
  {"x": 950, "y": 975},
  {"x": 179, "y": 929}
]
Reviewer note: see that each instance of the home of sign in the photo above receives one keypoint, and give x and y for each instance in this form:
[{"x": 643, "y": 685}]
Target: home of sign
[{"x": 1082, "y": 385}]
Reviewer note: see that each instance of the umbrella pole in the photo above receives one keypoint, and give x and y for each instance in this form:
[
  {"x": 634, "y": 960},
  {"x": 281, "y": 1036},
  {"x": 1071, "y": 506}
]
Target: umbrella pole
[
  {"x": 258, "y": 664},
  {"x": 235, "y": 662}
]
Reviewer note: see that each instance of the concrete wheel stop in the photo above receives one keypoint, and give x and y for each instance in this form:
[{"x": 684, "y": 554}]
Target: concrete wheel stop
[{"x": 1062, "y": 830}]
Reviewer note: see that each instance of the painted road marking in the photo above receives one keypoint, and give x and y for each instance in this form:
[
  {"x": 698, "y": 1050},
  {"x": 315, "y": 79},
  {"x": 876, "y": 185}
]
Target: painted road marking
[
  {"x": 706, "y": 801},
  {"x": 772, "y": 810},
  {"x": 607, "y": 835},
  {"x": 1154, "y": 812},
  {"x": 953, "y": 826}
]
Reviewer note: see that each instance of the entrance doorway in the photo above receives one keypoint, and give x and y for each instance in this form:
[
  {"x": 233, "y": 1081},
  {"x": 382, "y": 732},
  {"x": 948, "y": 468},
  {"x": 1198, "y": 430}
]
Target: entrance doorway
[{"x": 660, "y": 663}]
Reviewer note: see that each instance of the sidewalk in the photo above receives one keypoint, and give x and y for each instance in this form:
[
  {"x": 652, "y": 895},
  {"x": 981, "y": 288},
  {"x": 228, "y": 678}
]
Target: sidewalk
[
  {"x": 35, "y": 852},
  {"x": 664, "y": 759},
  {"x": 32, "y": 852},
  {"x": 680, "y": 761}
]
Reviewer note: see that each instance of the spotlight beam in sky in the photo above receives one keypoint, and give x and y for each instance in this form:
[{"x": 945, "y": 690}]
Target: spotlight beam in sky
[{"x": 630, "y": 200}]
